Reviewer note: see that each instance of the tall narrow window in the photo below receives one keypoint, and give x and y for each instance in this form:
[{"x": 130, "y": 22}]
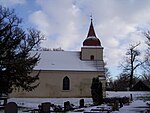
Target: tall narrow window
[
  {"x": 92, "y": 57},
  {"x": 66, "y": 83}
]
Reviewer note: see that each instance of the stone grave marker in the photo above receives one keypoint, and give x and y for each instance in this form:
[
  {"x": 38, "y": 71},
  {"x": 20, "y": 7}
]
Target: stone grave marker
[
  {"x": 11, "y": 107},
  {"x": 67, "y": 106},
  {"x": 81, "y": 103},
  {"x": 45, "y": 107}
]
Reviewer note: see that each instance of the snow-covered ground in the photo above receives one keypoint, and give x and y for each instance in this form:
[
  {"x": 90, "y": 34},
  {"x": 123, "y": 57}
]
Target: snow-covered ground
[
  {"x": 34, "y": 102},
  {"x": 137, "y": 106},
  {"x": 135, "y": 94}
]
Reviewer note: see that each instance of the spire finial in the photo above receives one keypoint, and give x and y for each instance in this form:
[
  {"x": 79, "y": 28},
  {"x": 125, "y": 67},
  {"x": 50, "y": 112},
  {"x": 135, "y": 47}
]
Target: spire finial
[
  {"x": 91, "y": 29},
  {"x": 91, "y": 17}
]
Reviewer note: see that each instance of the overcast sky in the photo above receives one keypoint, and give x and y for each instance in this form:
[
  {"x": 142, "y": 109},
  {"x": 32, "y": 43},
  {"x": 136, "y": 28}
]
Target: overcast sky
[{"x": 65, "y": 23}]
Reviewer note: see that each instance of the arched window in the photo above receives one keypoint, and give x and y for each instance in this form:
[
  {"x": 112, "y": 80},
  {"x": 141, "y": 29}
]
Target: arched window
[
  {"x": 92, "y": 57},
  {"x": 66, "y": 83}
]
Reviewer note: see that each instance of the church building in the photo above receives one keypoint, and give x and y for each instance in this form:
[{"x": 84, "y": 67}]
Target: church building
[{"x": 69, "y": 73}]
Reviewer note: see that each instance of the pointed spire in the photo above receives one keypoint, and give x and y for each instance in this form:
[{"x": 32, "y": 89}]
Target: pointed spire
[
  {"x": 91, "y": 29},
  {"x": 91, "y": 39}
]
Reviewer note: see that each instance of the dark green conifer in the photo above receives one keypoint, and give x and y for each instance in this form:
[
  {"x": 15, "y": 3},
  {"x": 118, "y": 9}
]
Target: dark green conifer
[
  {"x": 96, "y": 91},
  {"x": 16, "y": 62}
]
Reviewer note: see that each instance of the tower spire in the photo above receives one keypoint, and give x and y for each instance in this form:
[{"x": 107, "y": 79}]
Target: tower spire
[
  {"x": 91, "y": 39},
  {"x": 91, "y": 29}
]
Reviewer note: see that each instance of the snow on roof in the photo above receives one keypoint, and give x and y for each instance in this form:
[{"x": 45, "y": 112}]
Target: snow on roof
[{"x": 65, "y": 60}]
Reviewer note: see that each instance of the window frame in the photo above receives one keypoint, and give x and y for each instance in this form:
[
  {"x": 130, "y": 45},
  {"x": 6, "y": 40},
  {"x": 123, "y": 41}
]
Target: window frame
[
  {"x": 66, "y": 84},
  {"x": 92, "y": 57}
]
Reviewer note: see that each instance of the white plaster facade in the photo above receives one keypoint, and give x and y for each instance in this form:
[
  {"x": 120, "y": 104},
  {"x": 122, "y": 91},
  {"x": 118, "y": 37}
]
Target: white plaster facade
[{"x": 51, "y": 85}]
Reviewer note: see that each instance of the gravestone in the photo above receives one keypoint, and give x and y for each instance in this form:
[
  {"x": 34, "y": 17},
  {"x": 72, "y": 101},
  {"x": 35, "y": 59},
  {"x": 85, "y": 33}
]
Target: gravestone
[
  {"x": 11, "y": 107},
  {"x": 45, "y": 107},
  {"x": 81, "y": 103},
  {"x": 131, "y": 97},
  {"x": 67, "y": 106},
  {"x": 120, "y": 103},
  {"x": 115, "y": 106}
]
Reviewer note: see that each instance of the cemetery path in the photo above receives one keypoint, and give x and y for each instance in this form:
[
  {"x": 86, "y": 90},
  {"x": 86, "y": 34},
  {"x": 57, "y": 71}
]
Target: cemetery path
[{"x": 138, "y": 106}]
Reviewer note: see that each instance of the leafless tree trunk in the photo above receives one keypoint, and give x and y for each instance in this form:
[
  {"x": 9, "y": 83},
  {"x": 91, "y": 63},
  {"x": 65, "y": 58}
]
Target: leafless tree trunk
[
  {"x": 131, "y": 62},
  {"x": 147, "y": 54}
]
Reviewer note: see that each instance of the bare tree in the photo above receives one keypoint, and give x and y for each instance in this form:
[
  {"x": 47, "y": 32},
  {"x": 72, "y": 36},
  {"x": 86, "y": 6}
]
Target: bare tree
[
  {"x": 107, "y": 72},
  {"x": 107, "y": 75},
  {"x": 147, "y": 54},
  {"x": 131, "y": 62},
  {"x": 122, "y": 82},
  {"x": 146, "y": 64}
]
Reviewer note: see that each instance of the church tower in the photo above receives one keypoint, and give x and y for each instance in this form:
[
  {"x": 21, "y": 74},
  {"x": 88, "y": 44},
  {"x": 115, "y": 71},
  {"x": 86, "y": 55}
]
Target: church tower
[{"x": 92, "y": 49}]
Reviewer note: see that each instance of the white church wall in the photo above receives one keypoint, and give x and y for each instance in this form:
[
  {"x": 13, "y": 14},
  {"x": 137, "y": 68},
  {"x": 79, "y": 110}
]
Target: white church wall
[
  {"x": 97, "y": 52},
  {"x": 51, "y": 83}
]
